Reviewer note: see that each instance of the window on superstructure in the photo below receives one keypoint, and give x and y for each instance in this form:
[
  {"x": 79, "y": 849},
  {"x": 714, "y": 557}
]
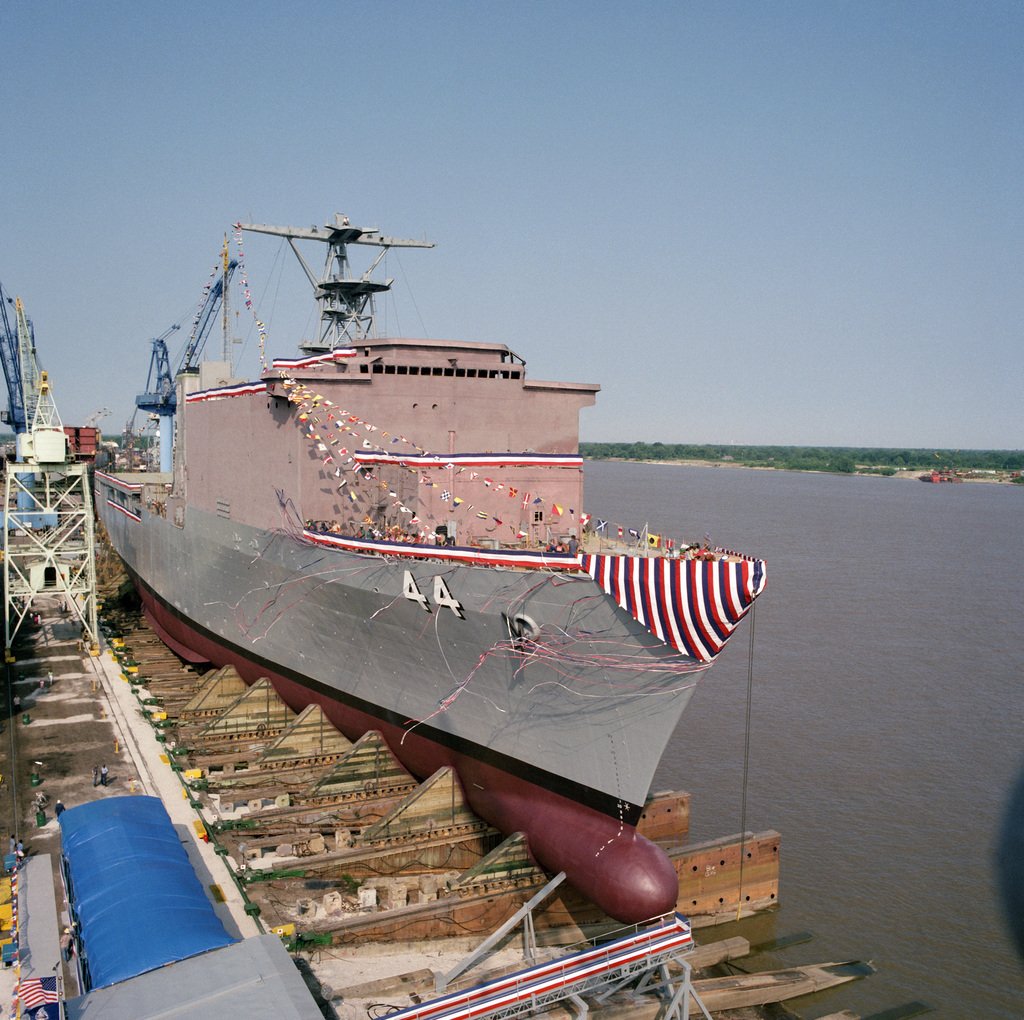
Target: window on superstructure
[
  {"x": 389, "y": 369},
  {"x": 378, "y": 368},
  {"x": 538, "y": 516},
  {"x": 449, "y": 372},
  {"x": 403, "y": 369},
  {"x": 365, "y": 369},
  {"x": 471, "y": 373}
]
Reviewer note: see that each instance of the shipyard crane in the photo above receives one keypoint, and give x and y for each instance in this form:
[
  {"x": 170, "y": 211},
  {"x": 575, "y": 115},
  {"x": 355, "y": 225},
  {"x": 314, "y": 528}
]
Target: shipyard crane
[
  {"x": 49, "y": 529},
  {"x": 207, "y": 315},
  {"x": 96, "y": 417},
  {"x": 18, "y": 356},
  {"x": 160, "y": 399}
]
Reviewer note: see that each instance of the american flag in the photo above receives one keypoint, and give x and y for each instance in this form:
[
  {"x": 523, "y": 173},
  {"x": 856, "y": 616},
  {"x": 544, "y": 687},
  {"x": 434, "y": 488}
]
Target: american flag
[{"x": 37, "y": 991}]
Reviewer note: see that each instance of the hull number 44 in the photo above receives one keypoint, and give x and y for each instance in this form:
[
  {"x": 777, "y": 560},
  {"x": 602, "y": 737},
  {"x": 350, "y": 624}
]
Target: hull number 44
[{"x": 442, "y": 595}]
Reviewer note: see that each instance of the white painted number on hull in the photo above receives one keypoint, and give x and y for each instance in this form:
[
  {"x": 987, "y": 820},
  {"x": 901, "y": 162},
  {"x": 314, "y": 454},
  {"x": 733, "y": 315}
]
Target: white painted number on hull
[
  {"x": 442, "y": 594},
  {"x": 443, "y": 597},
  {"x": 412, "y": 592}
]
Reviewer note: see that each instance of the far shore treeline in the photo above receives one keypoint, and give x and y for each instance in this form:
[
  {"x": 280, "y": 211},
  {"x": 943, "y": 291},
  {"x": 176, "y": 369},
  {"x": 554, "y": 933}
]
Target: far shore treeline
[{"x": 839, "y": 459}]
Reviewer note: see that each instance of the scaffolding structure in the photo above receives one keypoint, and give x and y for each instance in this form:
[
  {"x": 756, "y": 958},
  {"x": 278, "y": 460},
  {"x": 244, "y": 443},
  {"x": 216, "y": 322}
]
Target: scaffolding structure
[{"x": 49, "y": 546}]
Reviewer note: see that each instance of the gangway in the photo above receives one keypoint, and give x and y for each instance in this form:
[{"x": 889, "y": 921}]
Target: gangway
[{"x": 595, "y": 972}]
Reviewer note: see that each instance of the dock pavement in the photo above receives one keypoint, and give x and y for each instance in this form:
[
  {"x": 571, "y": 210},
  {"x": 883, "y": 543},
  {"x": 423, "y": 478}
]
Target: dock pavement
[{"x": 70, "y": 713}]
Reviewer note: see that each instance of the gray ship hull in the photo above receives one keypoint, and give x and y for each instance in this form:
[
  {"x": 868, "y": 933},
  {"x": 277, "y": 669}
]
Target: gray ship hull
[{"x": 558, "y": 736}]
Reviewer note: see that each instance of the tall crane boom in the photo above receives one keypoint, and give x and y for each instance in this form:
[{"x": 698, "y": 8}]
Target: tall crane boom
[
  {"x": 15, "y": 415},
  {"x": 160, "y": 397},
  {"x": 21, "y": 371},
  {"x": 205, "y": 318}
]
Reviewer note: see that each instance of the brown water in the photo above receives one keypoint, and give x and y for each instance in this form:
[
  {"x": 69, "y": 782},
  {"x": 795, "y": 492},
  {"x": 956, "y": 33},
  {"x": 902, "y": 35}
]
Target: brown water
[{"x": 888, "y": 716}]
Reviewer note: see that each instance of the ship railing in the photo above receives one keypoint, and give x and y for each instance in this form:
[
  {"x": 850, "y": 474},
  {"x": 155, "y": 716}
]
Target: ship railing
[
  {"x": 598, "y": 969},
  {"x": 556, "y": 556}
]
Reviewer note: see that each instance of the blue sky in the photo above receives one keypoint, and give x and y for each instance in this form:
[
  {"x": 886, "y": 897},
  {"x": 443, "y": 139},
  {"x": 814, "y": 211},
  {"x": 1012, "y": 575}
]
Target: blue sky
[{"x": 794, "y": 223}]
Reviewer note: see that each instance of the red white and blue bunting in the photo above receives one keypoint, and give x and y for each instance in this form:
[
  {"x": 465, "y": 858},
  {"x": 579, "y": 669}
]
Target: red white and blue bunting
[
  {"x": 219, "y": 393},
  {"x": 338, "y": 354},
  {"x": 118, "y": 483},
  {"x": 131, "y": 515},
  {"x": 692, "y": 605},
  {"x": 535, "y": 558},
  {"x": 452, "y": 460}
]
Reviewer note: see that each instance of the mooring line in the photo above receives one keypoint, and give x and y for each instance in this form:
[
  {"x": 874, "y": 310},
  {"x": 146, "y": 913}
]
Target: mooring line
[{"x": 746, "y": 759}]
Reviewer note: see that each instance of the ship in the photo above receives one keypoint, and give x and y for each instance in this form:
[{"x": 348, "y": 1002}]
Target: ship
[{"x": 393, "y": 529}]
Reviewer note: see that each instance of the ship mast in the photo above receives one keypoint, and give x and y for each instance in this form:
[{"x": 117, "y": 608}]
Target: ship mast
[
  {"x": 346, "y": 301},
  {"x": 225, "y": 328}
]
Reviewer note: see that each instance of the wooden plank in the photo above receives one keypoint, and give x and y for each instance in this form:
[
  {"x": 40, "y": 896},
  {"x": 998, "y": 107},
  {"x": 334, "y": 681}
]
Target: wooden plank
[
  {"x": 310, "y": 740},
  {"x": 438, "y": 804},
  {"x": 367, "y": 769},
  {"x": 727, "y": 878},
  {"x": 666, "y": 818},
  {"x": 219, "y": 690},
  {"x": 257, "y": 714},
  {"x": 510, "y": 861}
]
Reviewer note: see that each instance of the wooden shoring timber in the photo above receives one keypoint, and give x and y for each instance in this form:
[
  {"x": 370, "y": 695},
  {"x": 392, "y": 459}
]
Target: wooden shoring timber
[
  {"x": 348, "y": 815},
  {"x": 447, "y": 917},
  {"x": 258, "y": 714},
  {"x": 310, "y": 740},
  {"x": 444, "y": 854},
  {"x": 508, "y": 864},
  {"x": 367, "y": 770},
  {"x": 165, "y": 676},
  {"x": 437, "y": 804},
  {"x": 222, "y": 763},
  {"x": 219, "y": 689},
  {"x": 566, "y": 909},
  {"x": 712, "y": 886},
  {"x": 258, "y": 792}
]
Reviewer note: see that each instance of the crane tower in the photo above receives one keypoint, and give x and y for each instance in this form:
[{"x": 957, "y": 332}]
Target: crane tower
[{"x": 49, "y": 527}]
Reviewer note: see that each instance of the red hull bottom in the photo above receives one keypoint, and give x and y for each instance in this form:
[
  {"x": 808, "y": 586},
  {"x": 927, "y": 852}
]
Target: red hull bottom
[{"x": 609, "y": 862}]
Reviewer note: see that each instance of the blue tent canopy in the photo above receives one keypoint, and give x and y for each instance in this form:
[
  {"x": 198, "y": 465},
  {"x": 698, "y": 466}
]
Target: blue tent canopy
[{"x": 136, "y": 897}]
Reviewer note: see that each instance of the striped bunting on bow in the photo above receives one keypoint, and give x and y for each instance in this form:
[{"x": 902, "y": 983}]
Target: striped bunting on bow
[{"x": 692, "y": 605}]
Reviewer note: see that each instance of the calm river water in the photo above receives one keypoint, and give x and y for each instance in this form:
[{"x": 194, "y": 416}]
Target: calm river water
[{"x": 888, "y": 716}]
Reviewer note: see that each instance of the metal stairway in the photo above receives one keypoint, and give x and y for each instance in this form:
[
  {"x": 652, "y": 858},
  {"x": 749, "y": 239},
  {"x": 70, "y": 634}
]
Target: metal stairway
[{"x": 595, "y": 972}]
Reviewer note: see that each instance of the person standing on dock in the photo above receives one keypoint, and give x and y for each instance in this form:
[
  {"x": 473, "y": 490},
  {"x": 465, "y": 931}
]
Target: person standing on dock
[
  {"x": 103, "y": 776},
  {"x": 58, "y": 809},
  {"x": 95, "y": 775}
]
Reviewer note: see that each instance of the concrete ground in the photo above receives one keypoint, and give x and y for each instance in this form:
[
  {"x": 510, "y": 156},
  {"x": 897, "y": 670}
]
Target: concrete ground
[{"x": 66, "y": 714}]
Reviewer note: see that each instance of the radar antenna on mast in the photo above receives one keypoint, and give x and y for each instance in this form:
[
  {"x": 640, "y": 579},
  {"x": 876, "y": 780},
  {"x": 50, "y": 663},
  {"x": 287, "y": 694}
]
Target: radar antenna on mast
[{"x": 346, "y": 301}]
